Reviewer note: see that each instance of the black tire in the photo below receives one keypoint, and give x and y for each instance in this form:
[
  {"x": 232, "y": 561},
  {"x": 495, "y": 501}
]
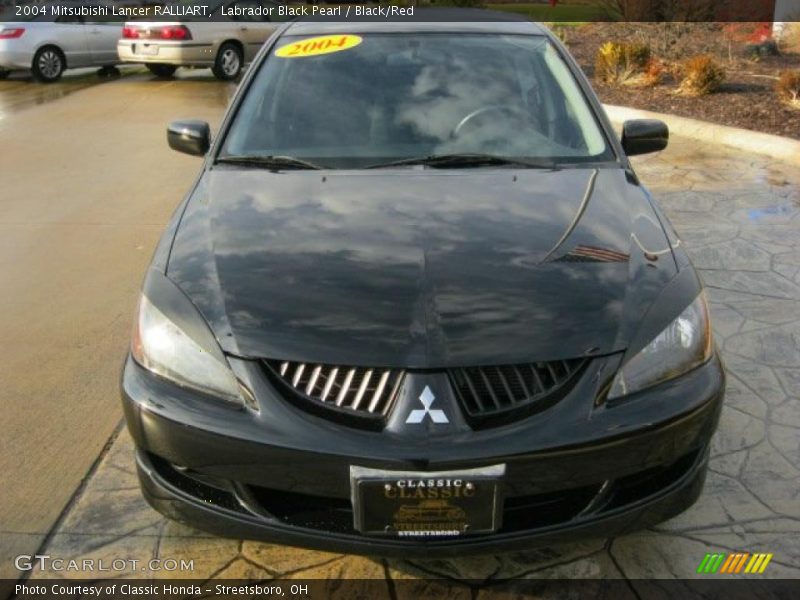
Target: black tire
[
  {"x": 108, "y": 71},
  {"x": 229, "y": 62},
  {"x": 48, "y": 64},
  {"x": 4, "y": 74},
  {"x": 162, "y": 70}
]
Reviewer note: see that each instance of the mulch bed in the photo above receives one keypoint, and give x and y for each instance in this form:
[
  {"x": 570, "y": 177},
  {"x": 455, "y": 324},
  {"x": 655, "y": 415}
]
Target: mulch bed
[{"x": 747, "y": 99}]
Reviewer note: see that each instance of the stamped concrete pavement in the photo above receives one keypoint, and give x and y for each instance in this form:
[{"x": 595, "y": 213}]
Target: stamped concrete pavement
[{"x": 740, "y": 218}]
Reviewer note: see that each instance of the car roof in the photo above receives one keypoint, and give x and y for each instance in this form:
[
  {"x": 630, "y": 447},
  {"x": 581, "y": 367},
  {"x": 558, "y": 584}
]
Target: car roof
[{"x": 424, "y": 21}]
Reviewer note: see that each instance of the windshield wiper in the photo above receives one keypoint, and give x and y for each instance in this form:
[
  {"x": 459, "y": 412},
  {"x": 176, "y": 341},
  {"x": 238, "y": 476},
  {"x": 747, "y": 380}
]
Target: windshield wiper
[
  {"x": 467, "y": 160},
  {"x": 268, "y": 162}
]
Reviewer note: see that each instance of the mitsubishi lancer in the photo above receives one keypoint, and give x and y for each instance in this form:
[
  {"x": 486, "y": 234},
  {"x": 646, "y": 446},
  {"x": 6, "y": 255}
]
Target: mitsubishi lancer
[{"x": 418, "y": 302}]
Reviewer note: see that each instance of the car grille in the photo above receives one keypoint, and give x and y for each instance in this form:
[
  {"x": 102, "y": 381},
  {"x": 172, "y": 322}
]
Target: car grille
[
  {"x": 495, "y": 393},
  {"x": 359, "y": 391}
]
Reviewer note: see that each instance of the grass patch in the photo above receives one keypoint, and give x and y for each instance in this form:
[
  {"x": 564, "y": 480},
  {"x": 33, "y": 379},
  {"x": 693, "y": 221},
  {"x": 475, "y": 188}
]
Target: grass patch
[{"x": 565, "y": 14}]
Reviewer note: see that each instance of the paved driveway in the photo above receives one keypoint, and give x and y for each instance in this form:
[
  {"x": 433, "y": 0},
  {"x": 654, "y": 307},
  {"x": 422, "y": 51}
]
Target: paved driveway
[
  {"x": 84, "y": 196},
  {"x": 739, "y": 218}
]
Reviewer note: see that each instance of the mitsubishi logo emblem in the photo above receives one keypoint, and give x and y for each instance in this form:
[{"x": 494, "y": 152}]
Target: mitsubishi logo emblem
[{"x": 418, "y": 415}]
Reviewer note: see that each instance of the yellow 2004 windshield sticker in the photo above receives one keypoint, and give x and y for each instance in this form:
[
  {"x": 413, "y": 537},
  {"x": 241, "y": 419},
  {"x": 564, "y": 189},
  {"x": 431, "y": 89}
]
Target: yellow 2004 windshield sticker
[{"x": 315, "y": 46}]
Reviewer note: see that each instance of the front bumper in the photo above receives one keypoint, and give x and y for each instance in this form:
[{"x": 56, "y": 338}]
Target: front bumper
[
  {"x": 281, "y": 475},
  {"x": 189, "y": 53}
]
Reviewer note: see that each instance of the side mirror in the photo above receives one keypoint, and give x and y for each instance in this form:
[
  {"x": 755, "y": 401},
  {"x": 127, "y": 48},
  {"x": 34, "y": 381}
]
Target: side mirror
[
  {"x": 642, "y": 136},
  {"x": 190, "y": 137}
]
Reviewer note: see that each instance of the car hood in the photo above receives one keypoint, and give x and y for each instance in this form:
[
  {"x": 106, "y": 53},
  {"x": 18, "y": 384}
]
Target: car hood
[{"x": 420, "y": 268}]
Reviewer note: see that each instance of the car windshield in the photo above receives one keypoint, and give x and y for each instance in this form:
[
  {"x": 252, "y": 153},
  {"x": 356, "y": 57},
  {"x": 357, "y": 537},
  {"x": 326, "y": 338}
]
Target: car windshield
[{"x": 383, "y": 98}]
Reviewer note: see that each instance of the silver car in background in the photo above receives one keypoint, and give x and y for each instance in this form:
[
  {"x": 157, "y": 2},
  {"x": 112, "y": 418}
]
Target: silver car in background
[
  {"x": 223, "y": 41},
  {"x": 48, "y": 47}
]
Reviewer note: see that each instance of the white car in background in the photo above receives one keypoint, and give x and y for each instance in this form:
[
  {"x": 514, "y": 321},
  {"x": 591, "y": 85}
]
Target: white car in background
[
  {"x": 223, "y": 42},
  {"x": 48, "y": 47}
]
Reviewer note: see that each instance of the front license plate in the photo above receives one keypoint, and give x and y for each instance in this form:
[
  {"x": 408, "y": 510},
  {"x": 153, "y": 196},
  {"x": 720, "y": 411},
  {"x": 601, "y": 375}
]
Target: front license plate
[
  {"x": 145, "y": 49},
  {"x": 421, "y": 504}
]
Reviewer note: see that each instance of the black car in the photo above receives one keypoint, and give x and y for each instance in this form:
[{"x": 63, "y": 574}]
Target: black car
[{"x": 418, "y": 301}]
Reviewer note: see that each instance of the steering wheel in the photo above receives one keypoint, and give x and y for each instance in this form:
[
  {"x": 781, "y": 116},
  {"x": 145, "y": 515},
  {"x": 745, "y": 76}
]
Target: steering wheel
[{"x": 478, "y": 112}]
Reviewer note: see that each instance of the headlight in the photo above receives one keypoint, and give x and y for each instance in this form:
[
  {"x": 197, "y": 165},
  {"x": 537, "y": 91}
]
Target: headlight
[
  {"x": 682, "y": 346},
  {"x": 163, "y": 347}
]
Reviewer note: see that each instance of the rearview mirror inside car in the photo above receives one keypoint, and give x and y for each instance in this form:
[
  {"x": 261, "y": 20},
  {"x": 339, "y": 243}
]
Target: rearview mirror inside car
[
  {"x": 190, "y": 137},
  {"x": 642, "y": 136}
]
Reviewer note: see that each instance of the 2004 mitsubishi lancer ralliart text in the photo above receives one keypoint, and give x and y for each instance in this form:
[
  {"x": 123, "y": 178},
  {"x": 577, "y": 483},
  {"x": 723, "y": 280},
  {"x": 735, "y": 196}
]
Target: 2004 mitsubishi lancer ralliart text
[{"x": 417, "y": 302}]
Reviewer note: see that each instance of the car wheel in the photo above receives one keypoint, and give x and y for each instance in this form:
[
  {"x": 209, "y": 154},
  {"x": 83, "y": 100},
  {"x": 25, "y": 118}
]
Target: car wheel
[
  {"x": 229, "y": 62},
  {"x": 162, "y": 70},
  {"x": 4, "y": 74},
  {"x": 48, "y": 64}
]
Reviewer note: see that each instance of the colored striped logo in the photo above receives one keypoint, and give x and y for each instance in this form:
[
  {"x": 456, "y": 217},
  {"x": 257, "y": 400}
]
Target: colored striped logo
[
  {"x": 734, "y": 563},
  {"x": 594, "y": 254}
]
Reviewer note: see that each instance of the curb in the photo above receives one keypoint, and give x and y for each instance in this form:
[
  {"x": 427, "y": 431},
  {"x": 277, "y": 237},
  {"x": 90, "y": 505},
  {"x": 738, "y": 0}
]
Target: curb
[{"x": 775, "y": 146}]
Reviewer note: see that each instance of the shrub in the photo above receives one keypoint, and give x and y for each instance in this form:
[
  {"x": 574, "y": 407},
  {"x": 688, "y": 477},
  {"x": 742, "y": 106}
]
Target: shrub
[
  {"x": 789, "y": 35},
  {"x": 701, "y": 75},
  {"x": 621, "y": 62},
  {"x": 788, "y": 88},
  {"x": 653, "y": 73},
  {"x": 561, "y": 33}
]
